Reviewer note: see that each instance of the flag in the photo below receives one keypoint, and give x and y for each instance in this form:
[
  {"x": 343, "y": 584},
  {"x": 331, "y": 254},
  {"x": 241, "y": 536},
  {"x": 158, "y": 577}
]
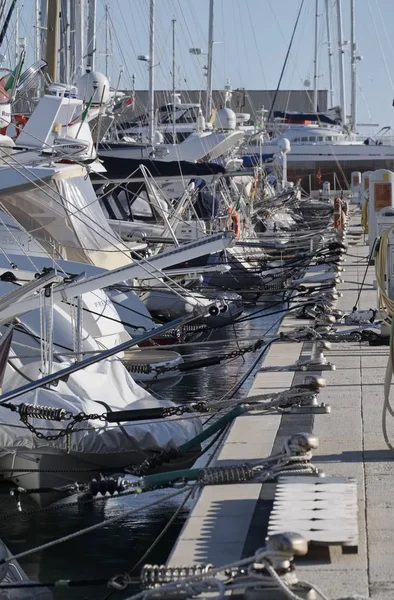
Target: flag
[
  {"x": 128, "y": 101},
  {"x": 85, "y": 112},
  {"x": 213, "y": 114}
]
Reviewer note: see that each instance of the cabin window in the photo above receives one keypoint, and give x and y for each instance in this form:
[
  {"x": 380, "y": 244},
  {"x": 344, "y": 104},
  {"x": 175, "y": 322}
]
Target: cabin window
[
  {"x": 312, "y": 139},
  {"x": 189, "y": 116},
  {"x": 320, "y": 138},
  {"x": 329, "y": 138},
  {"x": 304, "y": 139}
]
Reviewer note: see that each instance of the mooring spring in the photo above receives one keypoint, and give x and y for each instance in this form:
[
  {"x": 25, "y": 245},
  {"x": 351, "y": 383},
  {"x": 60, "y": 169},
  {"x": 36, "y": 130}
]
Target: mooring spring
[
  {"x": 106, "y": 485},
  {"x": 155, "y": 575},
  {"x": 42, "y": 412},
  {"x": 229, "y": 474}
]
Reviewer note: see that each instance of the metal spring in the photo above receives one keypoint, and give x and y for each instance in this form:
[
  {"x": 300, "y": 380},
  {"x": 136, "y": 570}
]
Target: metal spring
[
  {"x": 41, "y": 412},
  {"x": 229, "y": 474},
  {"x": 274, "y": 286},
  {"x": 155, "y": 575},
  {"x": 106, "y": 485},
  {"x": 137, "y": 368}
]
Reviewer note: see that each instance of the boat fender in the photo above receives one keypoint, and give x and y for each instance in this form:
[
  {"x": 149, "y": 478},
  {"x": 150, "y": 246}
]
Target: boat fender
[
  {"x": 338, "y": 217},
  {"x": 214, "y": 310}
]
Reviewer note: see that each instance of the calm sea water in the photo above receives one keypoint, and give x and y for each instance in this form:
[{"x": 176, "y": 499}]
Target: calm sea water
[{"x": 115, "y": 548}]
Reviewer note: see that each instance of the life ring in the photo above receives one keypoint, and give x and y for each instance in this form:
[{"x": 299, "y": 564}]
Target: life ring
[
  {"x": 234, "y": 222},
  {"x": 19, "y": 121}
]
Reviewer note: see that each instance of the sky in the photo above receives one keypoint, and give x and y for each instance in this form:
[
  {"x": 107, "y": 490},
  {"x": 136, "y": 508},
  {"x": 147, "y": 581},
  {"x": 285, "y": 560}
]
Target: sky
[{"x": 251, "y": 41}]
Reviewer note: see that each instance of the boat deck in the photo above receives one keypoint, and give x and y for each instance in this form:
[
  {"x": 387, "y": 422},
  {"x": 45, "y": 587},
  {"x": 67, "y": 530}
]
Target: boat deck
[{"x": 229, "y": 522}]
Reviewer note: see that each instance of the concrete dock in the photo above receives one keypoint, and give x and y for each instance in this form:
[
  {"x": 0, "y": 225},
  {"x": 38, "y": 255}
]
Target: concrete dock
[{"x": 230, "y": 521}]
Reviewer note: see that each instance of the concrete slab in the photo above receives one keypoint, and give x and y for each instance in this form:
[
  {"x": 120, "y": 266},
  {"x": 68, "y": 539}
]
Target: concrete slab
[{"x": 351, "y": 444}]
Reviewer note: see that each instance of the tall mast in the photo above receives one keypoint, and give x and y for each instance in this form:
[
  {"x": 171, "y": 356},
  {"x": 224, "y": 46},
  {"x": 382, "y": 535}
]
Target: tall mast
[
  {"x": 78, "y": 39},
  {"x": 329, "y": 47},
  {"x": 107, "y": 54},
  {"x": 151, "y": 99},
  {"x": 37, "y": 37},
  {"x": 17, "y": 36},
  {"x": 341, "y": 59},
  {"x": 64, "y": 65},
  {"x": 315, "y": 73},
  {"x": 353, "y": 52},
  {"x": 43, "y": 27},
  {"x": 73, "y": 24},
  {"x": 52, "y": 38},
  {"x": 210, "y": 61},
  {"x": 173, "y": 81},
  {"x": 91, "y": 49}
]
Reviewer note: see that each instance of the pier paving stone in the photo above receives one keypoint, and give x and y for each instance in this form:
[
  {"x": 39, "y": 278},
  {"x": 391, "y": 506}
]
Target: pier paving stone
[{"x": 351, "y": 444}]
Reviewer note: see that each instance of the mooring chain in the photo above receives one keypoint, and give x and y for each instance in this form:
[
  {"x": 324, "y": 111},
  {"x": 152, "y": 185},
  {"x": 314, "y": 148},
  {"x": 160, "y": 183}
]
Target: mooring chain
[
  {"x": 308, "y": 334},
  {"x": 228, "y": 356},
  {"x": 55, "y": 414},
  {"x": 44, "y": 412}
]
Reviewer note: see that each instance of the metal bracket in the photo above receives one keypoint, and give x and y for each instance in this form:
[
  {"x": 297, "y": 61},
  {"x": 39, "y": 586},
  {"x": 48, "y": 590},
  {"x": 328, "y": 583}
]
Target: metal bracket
[
  {"x": 305, "y": 409},
  {"x": 272, "y": 593}
]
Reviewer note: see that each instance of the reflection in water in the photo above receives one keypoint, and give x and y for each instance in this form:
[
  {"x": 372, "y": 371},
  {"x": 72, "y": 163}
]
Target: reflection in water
[{"x": 115, "y": 548}]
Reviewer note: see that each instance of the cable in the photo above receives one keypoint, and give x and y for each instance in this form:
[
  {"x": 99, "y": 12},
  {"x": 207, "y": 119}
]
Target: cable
[
  {"x": 285, "y": 61},
  {"x": 94, "y": 527},
  {"x": 385, "y": 303}
]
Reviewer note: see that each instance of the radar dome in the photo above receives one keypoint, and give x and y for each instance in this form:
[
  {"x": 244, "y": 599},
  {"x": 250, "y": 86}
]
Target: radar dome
[
  {"x": 225, "y": 118},
  {"x": 94, "y": 85},
  {"x": 284, "y": 145}
]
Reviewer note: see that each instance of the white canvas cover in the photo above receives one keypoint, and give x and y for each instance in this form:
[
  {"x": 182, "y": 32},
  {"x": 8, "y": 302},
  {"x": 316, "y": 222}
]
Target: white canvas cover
[
  {"x": 107, "y": 381},
  {"x": 87, "y": 219}
]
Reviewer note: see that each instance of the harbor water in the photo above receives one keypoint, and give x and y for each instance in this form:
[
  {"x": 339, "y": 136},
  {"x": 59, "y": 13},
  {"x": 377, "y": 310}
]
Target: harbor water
[{"x": 117, "y": 547}]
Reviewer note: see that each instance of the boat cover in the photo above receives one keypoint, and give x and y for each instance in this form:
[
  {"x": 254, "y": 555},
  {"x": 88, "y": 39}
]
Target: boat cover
[
  {"x": 104, "y": 382},
  {"x": 13, "y": 574},
  {"x": 128, "y": 168},
  {"x": 331, "y": 117}
]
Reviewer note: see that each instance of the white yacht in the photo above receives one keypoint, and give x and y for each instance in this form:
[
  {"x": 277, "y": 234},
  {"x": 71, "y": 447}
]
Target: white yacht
[
  {"x": 316, "y": 150},
  {"x": 187, "y": 116}
]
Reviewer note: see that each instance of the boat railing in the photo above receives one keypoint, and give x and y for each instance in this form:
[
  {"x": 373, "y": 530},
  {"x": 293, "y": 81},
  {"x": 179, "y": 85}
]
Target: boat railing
[{"x": 384, "y": 140}]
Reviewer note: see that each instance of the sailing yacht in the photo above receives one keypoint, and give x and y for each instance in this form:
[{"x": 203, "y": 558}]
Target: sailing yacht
[{"x": 323, "y": 141}]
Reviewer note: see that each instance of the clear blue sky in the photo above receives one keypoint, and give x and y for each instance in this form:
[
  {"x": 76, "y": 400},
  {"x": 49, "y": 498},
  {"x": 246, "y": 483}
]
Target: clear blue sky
[{"x": 252, "y": 37}]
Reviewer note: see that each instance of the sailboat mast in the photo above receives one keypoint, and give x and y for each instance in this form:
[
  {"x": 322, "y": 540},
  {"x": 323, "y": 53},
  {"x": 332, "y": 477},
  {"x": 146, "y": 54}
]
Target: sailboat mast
[
  {"x": 210, "y": 61},
  {"x": 17, "y": 36},
  {"x": 106, "y": 38},
  {"x": 64, "y": 65},
  {"x": 78, "y": 40},
  {"x": 52, "y": 38},
  {"x": 91, "y": 58},
  {"x": 329, "y": 46},
  {"x": 341, "y": 58},
  {"x": 173, "y": 82},
  {"x": 43, "y": 18},
  {"x": 315, "y": 73},
  {"x": 353, "y": 51},
  {"x": 151, "y": 100},
  {"x": 37, "y": 37}
]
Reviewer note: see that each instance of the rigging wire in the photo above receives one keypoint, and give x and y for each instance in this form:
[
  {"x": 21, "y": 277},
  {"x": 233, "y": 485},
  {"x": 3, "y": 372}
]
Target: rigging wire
[{"x": 286, "y": 59}]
